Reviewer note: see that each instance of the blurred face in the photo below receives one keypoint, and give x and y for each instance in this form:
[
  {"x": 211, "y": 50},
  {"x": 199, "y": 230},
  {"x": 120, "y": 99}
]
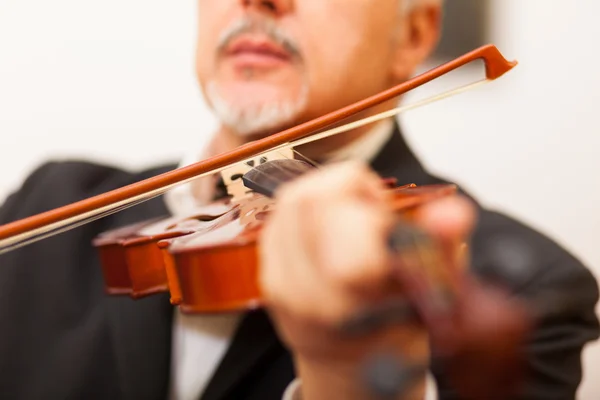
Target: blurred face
[{"x": 264, "y": 65}]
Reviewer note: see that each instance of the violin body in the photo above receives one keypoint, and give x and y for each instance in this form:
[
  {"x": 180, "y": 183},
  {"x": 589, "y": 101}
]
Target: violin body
[
  {"x": 132, "y": 263},
  {"x": 218, "y": 271},
  {"x": 209, "y": 261}
]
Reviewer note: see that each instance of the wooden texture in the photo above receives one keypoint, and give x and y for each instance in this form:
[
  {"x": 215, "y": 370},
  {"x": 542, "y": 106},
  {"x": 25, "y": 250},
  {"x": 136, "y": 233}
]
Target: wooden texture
[{"x": 217, "y": 271}]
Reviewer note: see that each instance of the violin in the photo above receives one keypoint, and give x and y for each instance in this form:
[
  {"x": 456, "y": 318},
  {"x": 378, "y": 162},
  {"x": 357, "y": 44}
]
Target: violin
[
  {"x": 208, "y": 260},
  {"x": 209, "y": 263}
]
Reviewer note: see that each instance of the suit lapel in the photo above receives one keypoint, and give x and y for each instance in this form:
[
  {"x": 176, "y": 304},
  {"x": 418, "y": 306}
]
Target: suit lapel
[
  {"x": 141, "y": 337},
  {"x": 254, "y": 344},
  {"x": 397, "y": 160}
]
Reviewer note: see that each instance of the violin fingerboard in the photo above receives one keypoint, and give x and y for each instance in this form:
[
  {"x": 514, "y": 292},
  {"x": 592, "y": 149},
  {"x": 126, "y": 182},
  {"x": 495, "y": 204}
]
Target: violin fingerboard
[{"x": 267, "y": 177}]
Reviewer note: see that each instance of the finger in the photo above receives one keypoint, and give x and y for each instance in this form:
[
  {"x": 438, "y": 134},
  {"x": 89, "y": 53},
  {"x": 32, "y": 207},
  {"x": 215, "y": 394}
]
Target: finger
[
  {"x": 352, "y": 249},
  {"x": 448, "y": 218},
  {"x": 289, "y": 276},
  {"x": 450, "y": 221},
  {"x": 282, "y": 258},
  {"x": 317, "y": 227},
  {"x": 328, "y": 238},
  {"x": 307, "y": 272},
  {"x": 348, "y": 179}
]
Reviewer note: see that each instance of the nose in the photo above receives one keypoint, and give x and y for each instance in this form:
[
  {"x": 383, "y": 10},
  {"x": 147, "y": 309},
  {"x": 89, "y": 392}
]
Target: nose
[{"x": 275, "y": 7}]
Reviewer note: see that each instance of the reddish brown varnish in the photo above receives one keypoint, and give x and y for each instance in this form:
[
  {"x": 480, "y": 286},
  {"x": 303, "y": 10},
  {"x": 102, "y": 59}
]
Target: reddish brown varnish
[
  {"x": 137, "y": 259},
  {"x": 113, "y": 258},
  {"x": 216, "y": 271},
  {"x": 133, "y": 264}
]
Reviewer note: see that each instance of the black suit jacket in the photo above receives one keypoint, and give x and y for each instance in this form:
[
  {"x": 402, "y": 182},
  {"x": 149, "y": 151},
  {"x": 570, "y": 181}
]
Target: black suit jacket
[{"x": 62, "y": 337}]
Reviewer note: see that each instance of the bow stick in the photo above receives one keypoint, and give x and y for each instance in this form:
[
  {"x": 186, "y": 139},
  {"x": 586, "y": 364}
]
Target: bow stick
[{"x": 22, "y": 232}]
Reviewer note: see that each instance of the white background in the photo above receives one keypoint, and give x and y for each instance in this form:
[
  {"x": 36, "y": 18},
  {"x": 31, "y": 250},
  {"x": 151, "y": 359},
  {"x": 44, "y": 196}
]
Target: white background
[{"x": 113, "y": 81}]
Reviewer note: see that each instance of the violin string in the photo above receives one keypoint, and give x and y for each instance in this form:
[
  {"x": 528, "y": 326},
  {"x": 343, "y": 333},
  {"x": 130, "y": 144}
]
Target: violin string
[
  {"x": 100, "y": 212},
  {"x": 286, "y": 173},
  {"x": 310, "y": 161},
  {"x": 273, "y": 177},
  {"x": 383, "y": 115},
  {"x": 366, "y": 121}
]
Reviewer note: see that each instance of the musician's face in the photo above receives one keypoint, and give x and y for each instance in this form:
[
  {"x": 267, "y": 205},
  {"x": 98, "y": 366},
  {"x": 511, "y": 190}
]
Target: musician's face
[{"x": 264, "y": 65}]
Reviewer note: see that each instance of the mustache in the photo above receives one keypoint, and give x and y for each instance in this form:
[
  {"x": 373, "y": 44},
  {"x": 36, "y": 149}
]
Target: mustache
[{"x": 262, "y": 25}]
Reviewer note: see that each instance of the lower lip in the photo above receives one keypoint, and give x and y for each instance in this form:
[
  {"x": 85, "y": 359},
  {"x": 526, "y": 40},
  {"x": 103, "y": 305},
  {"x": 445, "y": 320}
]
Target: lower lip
[{"x": 257, "y": 60}]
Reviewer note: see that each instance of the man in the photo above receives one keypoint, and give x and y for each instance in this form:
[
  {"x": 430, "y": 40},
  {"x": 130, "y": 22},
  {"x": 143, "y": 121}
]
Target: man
[{"x": 266, "y": 65}]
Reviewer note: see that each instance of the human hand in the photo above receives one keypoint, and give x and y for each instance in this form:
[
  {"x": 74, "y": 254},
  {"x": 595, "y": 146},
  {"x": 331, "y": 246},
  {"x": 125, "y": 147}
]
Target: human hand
[{"x": 324, "y": 255}]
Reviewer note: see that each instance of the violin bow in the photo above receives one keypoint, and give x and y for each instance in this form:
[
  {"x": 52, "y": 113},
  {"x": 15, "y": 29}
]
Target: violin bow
[{"x": 37, "y": 227}]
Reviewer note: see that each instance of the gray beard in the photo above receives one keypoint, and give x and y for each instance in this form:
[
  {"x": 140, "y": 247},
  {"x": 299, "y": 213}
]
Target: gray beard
[{"x": 249, "y": 121}]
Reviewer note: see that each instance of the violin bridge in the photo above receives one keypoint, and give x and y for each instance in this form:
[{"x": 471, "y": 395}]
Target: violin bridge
[{"x": 232, "y": 176}]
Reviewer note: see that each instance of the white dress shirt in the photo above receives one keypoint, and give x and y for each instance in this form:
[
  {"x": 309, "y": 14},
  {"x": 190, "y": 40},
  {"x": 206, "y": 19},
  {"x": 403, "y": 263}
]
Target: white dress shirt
[{"x": 199, "y": 341}]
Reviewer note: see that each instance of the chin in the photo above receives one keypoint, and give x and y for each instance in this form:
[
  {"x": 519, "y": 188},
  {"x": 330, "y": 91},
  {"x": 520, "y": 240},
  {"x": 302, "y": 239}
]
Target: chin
[{"x": 252, "y": 110}]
